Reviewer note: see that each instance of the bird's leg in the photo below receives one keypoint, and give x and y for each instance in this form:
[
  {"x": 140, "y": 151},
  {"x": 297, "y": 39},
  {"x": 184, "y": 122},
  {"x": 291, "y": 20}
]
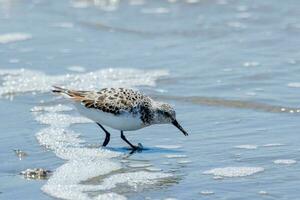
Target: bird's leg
[
  {"x": 107, "y": 137},
  {"x": 124, "y": 138}
]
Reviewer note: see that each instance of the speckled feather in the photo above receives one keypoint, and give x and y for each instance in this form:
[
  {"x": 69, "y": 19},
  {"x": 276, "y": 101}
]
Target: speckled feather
[{"x": 116, "y": 101}]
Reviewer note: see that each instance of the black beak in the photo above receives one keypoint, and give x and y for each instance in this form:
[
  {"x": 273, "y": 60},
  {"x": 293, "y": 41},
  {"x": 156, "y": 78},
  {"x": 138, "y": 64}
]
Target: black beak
[{"x": 175, "y": 123}]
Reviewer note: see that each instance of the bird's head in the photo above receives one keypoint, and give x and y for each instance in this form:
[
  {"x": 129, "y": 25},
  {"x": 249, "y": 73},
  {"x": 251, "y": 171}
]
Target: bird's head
[{"x": 165, "y": 114}]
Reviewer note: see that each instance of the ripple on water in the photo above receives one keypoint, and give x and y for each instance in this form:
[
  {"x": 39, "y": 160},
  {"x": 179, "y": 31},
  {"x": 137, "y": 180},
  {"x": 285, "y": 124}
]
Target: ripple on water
[
  {"x": 262, "y": 192},
  {"x": 273, "y": 145},
  {"x": 285, "y": 161},
  {"x": 169, "y": 146},
  {"x": 175, "y": 156},
  {"x": 207, "y": 192},
  {"x": 139, "y": 165},
  {"x": 246, "y": 146},
  {"x": 294, "y": 84}
]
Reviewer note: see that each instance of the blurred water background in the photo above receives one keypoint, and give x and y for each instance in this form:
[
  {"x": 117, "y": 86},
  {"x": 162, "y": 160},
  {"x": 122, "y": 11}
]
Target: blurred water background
[{"x": 230, "y": 68}]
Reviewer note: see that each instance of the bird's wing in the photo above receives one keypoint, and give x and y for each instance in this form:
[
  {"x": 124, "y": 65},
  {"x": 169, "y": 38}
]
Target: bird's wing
[{"x": 113, "y": 100}]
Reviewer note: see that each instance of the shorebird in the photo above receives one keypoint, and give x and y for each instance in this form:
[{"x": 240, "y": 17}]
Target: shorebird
[{"x": 120, "y": 108}]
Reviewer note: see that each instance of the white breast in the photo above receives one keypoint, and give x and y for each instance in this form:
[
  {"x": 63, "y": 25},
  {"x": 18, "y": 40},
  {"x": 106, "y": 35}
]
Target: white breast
[{"x": 124, "y": 122}]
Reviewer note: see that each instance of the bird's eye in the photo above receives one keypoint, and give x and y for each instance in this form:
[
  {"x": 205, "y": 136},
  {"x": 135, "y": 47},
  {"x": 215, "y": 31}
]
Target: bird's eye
[{"x": 167, "y": 114}]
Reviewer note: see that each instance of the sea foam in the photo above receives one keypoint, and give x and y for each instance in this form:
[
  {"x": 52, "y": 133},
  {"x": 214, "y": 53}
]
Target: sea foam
[
  {"x": 24, "y": 81},
  {"x": 234, "y": 171},
  {"x": 81, "y": 163},
  {"x": 14, "y": 37}
]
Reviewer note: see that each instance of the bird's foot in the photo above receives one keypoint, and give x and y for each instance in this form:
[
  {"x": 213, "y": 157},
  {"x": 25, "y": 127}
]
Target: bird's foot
[{"x": 137, "y": 148}]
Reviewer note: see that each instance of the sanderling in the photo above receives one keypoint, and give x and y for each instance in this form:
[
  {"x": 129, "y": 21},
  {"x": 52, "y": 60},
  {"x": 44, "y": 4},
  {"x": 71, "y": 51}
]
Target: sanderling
[{"x": 121, "y": 109}]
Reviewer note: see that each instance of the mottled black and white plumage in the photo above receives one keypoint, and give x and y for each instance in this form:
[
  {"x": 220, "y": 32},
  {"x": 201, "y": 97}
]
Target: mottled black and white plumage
[{"x": 120, "y": 108}]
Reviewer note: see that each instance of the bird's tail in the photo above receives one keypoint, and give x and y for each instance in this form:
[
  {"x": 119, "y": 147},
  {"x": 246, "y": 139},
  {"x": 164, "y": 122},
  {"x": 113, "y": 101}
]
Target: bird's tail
[{"x": 73, "y": 94}]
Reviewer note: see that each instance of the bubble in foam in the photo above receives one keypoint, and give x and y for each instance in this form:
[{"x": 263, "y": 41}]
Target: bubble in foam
[
  {"x": 57, "y": 138},
  {"x": 133, "y": 179},
  {"x": 83, "y": 163},
  {"x": 65, "y": 182},
  {"x": 56, "y": 108},
  {"x": 234, "y": 171},
  {"x": 111, "y": 195},
  {"x": 61, "y": 120},
  {"x": 76, "y": 153}
]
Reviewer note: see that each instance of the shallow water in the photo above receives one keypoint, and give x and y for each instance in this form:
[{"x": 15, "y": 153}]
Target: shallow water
[{"x": 231, "y": 69}]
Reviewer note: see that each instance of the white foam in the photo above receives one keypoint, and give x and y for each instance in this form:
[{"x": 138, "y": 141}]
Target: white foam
[
  {"x": 107, "y": 196},
  {"x": 246, "y": 146},
  {"x": 14, "y": 37},
  {"x": 168, "y": 146},
  {"x": 159, "y": 10},
  {"x": 175, "y": 156},
  {"x": 294, "y": 84},
  {"x": 153, "y": 169},
  {"x": 65, "y": 182},
  {"x": 61, "y": 120},
  {"x": 23, "y": 80},
  {"x": 251, "y": 64},
  {"x": 234, "y": 171},
  {"x": 218, "y": 177},
  {"x": 207, "y": 192},
  {"x": 76, "y": 68},
  {"x": 262, "y": 192},
  {"x": 82, "y": 163},
  {"x": 285, "y": 161},
  {"x": 58, "y": 138},
  {"x": 56, "y": 108},
  {"x": 273, "y": 145},
  {"x": 64, "y": 25},
  {"x": 133, "y": 179},
  {"x": 75, "y": 153}
]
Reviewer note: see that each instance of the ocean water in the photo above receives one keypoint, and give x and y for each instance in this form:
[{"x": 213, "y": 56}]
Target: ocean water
[{"x": 231, "y": 68}]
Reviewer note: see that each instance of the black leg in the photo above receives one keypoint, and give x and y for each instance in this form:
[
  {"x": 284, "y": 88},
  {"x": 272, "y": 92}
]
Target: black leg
[
  {"x": 107, "y": 137},
  {"x": 124, "y": 138}
]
